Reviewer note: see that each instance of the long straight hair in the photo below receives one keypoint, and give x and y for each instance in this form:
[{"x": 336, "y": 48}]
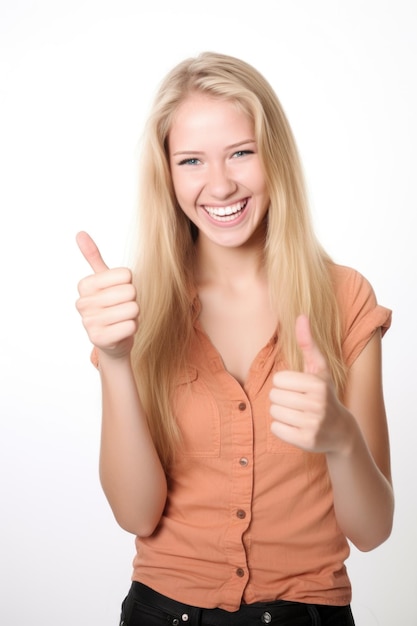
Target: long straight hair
[{"x": 298, "y": 269}]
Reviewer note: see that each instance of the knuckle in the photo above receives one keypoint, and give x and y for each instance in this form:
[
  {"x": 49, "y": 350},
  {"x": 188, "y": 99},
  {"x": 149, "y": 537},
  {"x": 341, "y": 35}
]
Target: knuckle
[
  {"x": 125, "y": 275},
  {"x": 134, "y": 310},
  {"x": 96, "y": 337},
  {"x": 82, "y": 307},
  {"x": 81, "y": 287},
  {"x": 131, "y": 292},
  {"x": 132, "y": 327}
]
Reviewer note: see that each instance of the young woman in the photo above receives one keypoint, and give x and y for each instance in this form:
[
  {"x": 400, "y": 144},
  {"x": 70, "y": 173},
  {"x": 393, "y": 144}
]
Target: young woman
[{"x": 244, "y": 436}]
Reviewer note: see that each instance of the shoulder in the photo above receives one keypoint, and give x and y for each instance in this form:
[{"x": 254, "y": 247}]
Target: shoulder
[
  {"x": 360, "y": 312},
  {"x": 353, "y": 291},
  {"x": 348, "y": 282}
]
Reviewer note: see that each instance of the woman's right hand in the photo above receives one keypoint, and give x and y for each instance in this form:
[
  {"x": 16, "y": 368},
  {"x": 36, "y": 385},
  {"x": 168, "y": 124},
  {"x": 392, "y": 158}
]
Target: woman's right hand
[
  {"x": 131, "y": 473},
  {"x": 107, "y": 303}
]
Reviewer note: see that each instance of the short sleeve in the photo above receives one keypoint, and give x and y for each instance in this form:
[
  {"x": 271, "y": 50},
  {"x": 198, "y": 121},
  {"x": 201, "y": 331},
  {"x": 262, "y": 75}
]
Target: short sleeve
[{"x": 361, "y": 315}]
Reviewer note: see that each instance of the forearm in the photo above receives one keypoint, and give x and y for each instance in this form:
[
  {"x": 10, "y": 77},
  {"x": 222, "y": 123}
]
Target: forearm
[
  {"x": 363, "y": 497},
  {"x": 131, "y": 474}
]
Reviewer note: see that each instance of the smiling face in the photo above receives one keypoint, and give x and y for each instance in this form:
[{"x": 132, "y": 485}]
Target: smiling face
[{"x": 216, "y": 170}]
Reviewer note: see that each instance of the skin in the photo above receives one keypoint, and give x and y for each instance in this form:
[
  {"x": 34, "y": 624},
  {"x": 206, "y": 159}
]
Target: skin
[
  {"x": 353, "y": 435},
  {"x": 216, "y": 169},
  {"x": 215, "y": 166},
  {"x": 131, "y": 474}
]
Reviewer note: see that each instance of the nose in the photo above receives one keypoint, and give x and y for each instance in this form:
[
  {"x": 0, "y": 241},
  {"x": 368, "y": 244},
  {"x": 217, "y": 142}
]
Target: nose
[{"x": 220, "y": 182}]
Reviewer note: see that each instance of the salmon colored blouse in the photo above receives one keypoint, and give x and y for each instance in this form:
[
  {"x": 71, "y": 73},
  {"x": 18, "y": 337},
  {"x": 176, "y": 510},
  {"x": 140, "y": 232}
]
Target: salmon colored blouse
[{"x": 250, "y": 518}]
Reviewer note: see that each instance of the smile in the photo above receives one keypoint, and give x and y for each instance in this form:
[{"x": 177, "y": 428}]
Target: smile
[{"x": 226, "y": 213}]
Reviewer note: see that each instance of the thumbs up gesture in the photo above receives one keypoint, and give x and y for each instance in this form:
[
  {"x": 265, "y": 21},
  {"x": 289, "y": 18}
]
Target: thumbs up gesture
[
  {"x": 107, "y": 303},
  {"x": 305, "y": 409}
]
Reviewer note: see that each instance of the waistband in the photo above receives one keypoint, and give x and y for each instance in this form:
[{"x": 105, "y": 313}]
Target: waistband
[{"x": 263, "y": 612}]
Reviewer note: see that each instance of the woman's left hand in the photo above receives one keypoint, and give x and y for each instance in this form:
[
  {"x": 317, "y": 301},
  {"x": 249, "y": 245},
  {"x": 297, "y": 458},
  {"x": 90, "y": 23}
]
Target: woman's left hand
[{"x": 304, "y": 406}]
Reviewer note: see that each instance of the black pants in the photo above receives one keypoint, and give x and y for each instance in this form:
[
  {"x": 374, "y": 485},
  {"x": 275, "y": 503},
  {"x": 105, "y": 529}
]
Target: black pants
[{"x": 145, "y": 607}]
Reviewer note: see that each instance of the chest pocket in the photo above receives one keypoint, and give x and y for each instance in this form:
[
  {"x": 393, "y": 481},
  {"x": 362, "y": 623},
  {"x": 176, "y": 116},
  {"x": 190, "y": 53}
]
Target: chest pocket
[{"x": 197, "y": 415}]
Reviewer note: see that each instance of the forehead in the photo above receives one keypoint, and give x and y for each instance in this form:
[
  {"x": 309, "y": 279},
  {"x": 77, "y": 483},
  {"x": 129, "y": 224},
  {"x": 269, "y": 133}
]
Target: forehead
[{"x": 202, "y": 116}]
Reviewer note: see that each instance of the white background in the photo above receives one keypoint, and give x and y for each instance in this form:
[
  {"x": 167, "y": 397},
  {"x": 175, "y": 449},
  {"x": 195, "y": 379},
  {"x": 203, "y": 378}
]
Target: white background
[{"x": 76, "y": 81}]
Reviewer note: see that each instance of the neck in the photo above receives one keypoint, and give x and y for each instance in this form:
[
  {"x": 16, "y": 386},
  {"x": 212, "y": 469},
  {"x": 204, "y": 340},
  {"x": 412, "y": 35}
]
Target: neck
[{"x": 226, "y": 266}]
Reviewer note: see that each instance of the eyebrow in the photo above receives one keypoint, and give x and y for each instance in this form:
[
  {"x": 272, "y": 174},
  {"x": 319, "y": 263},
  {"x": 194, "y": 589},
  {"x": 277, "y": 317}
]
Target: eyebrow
[{"x": 233, "y": 145}]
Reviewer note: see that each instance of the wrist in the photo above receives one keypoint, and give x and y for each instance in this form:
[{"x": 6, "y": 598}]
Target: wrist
[
  {"x": 109, "y": 359},
  {"x": 349, "y": 437}
]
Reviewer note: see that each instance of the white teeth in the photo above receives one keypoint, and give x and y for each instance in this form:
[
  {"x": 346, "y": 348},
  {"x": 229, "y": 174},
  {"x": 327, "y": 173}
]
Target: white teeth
[{"x": 226, "y": 211}]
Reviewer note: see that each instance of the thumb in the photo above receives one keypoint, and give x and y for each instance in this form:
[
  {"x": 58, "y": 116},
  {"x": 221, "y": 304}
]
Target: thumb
[
  {"x": 314, "y": 361},
  {"x": 90, "y": 252}
]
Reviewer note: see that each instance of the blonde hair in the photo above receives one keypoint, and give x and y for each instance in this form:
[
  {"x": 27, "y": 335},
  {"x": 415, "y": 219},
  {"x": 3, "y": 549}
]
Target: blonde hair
[{"x": 298, "y": 268}]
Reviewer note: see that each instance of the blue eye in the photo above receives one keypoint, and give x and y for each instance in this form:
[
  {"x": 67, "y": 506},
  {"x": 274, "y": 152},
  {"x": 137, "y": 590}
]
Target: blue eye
[
  {"x": 241, "y": 153},
  {"x": 191, "y": 161}
]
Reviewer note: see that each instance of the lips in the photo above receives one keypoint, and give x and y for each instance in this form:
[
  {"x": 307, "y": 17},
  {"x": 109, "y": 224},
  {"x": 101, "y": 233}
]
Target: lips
[{"x": 227, "y": 213}]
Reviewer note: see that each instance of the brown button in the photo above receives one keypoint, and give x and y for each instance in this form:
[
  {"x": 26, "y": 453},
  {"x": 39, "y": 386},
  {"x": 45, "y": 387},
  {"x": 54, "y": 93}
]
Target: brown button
[
  {"x": 243, "y": 461},
  {"x": 241, "y": 514},
  {"x": 240, "y": 572},
  {"x": 242, "y": 406}
]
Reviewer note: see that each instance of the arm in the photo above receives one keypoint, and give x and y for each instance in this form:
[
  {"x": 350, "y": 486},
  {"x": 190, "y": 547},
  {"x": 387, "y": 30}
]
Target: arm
[
  {"x": 131, "y": 474},
  {"x": 360, "y": 471},
  {"x": 354, "y": 436},
  {"x": 130, "y": 471}
]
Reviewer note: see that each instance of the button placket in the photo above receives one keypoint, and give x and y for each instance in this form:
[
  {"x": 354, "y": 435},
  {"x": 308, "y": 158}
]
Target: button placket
[
  {"x": 241, "y": 489},
  {"x": 184, "y": 618}
]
